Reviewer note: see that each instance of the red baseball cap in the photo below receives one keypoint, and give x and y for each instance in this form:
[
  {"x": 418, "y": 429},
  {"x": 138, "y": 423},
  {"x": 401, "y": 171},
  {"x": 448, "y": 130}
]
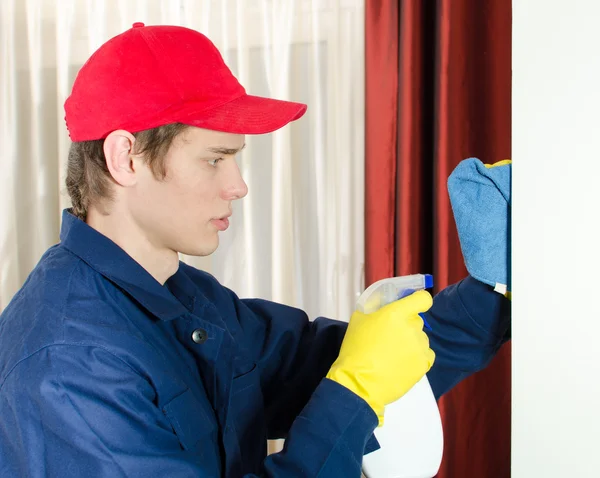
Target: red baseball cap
[{"x": 150, "y": 76}]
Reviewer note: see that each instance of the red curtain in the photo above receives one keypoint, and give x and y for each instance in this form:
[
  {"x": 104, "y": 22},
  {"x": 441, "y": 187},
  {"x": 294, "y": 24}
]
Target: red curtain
[{"x": 438, "y": 90}]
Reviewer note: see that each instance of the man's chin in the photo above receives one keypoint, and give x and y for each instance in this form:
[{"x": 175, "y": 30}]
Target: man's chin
[{"x": 200, "y": 250}]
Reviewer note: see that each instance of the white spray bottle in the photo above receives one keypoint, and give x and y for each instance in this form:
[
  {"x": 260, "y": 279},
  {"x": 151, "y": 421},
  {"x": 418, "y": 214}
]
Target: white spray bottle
[{"x": 411, "y": 438}]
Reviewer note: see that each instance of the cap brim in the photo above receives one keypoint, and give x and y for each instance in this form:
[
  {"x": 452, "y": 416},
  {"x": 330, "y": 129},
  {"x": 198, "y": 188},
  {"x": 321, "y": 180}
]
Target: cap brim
[{"x": 248, "y": 115}]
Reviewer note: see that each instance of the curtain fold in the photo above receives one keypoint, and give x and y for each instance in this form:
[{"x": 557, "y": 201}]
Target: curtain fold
[
  {"x": 438, "y": 90},
  {"x": 381, "y": 136}
]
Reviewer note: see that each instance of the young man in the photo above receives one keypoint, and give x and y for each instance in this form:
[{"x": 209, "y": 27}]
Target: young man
[{"x": 118, "y": 360}]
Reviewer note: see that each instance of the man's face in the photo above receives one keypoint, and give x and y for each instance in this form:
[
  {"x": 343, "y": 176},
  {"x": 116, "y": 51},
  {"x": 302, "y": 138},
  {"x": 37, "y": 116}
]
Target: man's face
[{"x": 186, "y": 210}]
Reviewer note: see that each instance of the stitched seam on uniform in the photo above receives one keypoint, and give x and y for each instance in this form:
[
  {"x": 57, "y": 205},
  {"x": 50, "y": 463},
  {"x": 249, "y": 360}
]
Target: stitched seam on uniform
[
  {"x": 338, "y": 440},
  {"x": 173, "y": 417},
  {"x": 77, "y": 264},
  {"x": 462, "y": 304},
  {"x": 183, "y": 437},
  {"x": 69, "y": 291},
  {"x": 245, "y": 388},
  {"x": 74, "y": 344}
]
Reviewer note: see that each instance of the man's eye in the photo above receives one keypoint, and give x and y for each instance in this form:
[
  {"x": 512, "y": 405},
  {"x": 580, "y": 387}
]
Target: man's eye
[{"x": 213, "y": 162}]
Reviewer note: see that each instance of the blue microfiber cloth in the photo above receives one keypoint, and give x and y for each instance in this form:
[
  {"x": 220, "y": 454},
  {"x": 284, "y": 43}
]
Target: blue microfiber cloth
[{"x": 480, "y": 199}]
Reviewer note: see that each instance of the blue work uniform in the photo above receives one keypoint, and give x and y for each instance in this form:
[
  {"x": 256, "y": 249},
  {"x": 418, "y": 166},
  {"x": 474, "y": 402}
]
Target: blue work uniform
[{"x": 104, "y": 372}]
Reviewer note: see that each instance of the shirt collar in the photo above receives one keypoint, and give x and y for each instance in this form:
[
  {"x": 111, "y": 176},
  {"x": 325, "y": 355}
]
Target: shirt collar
[{"x": 103, "y": 255}]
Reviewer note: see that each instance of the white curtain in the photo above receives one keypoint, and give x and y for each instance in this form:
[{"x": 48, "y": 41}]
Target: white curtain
[{"x": 298, "y": 236}]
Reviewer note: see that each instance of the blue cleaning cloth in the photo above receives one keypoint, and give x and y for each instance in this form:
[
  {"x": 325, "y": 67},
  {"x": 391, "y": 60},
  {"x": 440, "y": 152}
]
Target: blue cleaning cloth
[{"x": 481, "y": 202}]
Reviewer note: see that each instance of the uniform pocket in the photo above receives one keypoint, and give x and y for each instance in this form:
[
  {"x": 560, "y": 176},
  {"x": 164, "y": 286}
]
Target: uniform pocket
[
  {"x": 244, "y": 376},
  {"x": 195, "y": 428},
  {"x": 247, "y": 416}
]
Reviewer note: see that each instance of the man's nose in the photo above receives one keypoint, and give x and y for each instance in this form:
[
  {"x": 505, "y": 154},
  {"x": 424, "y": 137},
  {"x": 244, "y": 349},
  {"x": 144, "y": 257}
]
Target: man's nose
[{"x": 236, "y": 187}]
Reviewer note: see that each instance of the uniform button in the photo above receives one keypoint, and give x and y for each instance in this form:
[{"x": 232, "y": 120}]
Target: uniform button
[
  {"x": 199, "y": 336},
  {"x": 138, "y": 25}
]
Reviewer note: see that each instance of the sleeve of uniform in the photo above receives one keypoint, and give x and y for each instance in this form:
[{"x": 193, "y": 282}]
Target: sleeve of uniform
[
  {"x": 294, "y": 354},
  {"x": 72, "y": 411},
  {"x": 469, "y": 323}
]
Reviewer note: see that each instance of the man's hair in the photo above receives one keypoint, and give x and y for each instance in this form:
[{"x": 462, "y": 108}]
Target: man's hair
[{"x": 88, "y": 179}]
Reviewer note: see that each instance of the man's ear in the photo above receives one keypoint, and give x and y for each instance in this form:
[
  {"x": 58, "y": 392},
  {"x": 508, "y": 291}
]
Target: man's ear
[{"x": 118, "y": 148}]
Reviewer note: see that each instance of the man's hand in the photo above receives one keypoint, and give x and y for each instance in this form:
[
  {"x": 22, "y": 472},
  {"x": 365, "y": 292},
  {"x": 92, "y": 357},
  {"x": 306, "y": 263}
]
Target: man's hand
[{"x": 384, "y": 354}]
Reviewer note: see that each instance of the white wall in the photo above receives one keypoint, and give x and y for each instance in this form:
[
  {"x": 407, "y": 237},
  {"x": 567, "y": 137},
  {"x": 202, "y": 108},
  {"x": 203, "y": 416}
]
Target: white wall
[{"x": 556, "y": 238}]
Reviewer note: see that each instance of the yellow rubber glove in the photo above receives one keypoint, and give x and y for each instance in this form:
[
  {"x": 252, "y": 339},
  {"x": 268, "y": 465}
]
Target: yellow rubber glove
[
  {"x": 384, "y": 354},
  {"x": 504, "y": 162}
]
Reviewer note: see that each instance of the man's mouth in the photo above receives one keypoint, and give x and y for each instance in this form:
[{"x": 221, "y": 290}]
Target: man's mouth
[{"x": 221, "y": 223}]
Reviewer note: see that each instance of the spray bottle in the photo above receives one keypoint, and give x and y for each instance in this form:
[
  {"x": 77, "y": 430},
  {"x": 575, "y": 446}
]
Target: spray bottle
[{"x": 411, "y": 437}]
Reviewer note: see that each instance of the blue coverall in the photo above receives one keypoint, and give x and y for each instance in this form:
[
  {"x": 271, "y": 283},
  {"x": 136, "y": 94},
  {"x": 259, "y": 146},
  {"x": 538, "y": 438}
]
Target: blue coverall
[{"x": 106, "y": 373}]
